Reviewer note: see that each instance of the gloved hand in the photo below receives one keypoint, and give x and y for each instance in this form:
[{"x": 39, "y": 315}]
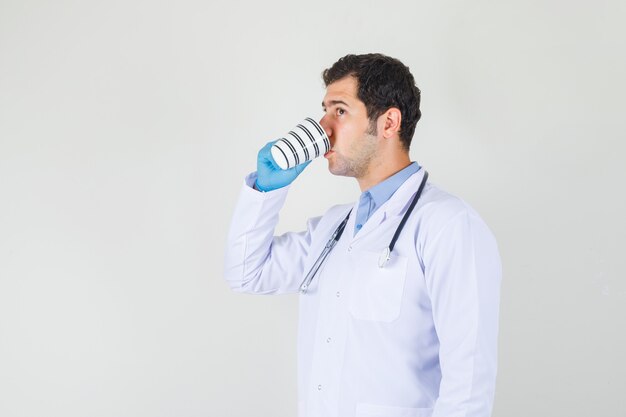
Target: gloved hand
[{"x": 269, "y": 175}]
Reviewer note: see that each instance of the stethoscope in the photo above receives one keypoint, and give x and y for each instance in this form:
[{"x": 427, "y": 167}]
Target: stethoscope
[{"x": 385, "y": 256}]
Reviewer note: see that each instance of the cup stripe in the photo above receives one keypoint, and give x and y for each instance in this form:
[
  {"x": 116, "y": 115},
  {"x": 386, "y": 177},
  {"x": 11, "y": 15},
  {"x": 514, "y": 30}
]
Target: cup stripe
[
  {"x": 308, "y": 133},
  {"x": 306, "y": 151},
  {"x": 293, "y": 151},
  {"x": 281, "y": 151},
  {"x": 314, "y": 123},
  {"x": 321, "y": 132}
]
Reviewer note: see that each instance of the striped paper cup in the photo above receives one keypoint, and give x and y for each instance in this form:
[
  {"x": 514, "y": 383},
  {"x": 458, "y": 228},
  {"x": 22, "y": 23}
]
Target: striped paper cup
[{"x": 305, "y": 142}]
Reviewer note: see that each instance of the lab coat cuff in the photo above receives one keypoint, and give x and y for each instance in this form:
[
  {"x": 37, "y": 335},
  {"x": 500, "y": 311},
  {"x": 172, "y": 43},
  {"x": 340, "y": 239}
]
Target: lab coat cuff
[{"x": 250, "y": 180}]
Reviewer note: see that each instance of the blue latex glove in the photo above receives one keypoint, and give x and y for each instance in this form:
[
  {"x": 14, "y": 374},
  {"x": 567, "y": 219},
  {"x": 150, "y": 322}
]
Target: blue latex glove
[{"x": 269, "y": 175}]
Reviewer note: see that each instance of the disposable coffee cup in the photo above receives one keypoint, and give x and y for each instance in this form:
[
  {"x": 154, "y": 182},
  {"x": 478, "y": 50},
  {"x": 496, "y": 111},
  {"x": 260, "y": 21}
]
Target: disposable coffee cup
[{"x": 305, "y": 142}]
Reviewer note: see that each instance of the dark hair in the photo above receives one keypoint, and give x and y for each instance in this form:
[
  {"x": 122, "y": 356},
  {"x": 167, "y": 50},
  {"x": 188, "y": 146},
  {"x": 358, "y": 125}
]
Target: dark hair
[{"x": 382, "y": 83}]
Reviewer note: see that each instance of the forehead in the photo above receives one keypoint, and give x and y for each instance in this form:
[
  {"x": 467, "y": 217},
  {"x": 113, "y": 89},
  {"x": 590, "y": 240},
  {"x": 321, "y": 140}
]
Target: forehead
[{"x": 344, "y": 89}]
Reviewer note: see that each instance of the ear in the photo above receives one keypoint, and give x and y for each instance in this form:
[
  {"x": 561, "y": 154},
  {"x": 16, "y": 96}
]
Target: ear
[{"x": 392, "y": 120}]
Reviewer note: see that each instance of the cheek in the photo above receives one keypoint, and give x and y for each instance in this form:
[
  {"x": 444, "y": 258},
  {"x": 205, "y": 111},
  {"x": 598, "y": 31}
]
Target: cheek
[{"x": 344, "y": 134}]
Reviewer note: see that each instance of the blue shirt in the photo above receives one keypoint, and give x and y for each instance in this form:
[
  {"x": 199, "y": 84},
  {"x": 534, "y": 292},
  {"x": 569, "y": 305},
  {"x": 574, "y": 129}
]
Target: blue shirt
[{"x": 376, "y": 196}]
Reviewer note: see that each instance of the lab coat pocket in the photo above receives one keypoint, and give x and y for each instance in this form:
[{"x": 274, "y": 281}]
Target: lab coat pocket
[
  {"x": 376, "y": 292},
  {"x": 370, "y": 410}
]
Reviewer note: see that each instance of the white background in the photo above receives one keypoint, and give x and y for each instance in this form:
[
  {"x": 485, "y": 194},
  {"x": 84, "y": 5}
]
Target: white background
[{"x": 126, "y": 128}]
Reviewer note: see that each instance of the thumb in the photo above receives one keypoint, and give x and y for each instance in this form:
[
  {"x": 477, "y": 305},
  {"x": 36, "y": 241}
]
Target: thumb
[{"x": 301, "y": 167}]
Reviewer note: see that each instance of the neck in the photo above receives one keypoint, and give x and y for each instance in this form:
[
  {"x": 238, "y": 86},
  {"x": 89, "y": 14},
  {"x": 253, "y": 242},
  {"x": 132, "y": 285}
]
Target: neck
[{"x": 380, "y": 170}]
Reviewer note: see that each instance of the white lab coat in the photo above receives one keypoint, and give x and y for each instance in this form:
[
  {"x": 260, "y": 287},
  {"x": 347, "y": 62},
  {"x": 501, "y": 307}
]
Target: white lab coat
[{"x": 417, "y": 338}]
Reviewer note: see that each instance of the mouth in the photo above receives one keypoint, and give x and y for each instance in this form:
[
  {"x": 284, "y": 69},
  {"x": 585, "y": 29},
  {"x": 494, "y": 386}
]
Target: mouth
[{"x": 329, "y": 153}]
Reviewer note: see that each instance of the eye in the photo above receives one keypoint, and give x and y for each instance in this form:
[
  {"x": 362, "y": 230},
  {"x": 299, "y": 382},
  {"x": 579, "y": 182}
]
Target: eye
[{"x": 340, "y": 111}]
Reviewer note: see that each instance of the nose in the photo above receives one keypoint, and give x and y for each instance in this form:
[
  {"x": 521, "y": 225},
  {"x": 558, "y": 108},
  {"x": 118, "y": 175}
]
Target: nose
[{"x": 326, "y": 126}]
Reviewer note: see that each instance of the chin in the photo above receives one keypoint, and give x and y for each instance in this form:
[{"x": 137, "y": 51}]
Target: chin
[
  {"x": 338, "y": 166},
  {"x": 338, "y": 171}
]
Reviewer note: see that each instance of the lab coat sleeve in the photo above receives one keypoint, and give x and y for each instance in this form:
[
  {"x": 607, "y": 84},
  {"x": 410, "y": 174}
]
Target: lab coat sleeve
[
  {"x": 463, "y": 274},
  {"x": 256, "y": 261}
]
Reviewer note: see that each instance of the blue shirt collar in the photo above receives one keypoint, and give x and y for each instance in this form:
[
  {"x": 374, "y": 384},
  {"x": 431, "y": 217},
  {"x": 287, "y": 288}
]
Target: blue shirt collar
[{"x": 383, "y": 191}]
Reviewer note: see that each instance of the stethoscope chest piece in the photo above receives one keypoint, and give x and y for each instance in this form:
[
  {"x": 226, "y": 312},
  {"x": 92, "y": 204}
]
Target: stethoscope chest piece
[{"x": 384, "y": 257}]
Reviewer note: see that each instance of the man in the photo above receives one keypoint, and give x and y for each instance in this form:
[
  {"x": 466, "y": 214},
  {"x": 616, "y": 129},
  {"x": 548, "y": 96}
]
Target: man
[{"x": 406, "y": 332}]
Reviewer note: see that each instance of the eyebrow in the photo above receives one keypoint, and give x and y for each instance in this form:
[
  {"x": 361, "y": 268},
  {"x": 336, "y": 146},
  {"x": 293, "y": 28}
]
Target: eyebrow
[{"x": 334, "y": 102}]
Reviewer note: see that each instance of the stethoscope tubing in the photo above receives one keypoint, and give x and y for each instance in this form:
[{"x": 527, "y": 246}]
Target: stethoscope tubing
[{"x": 384, "y": 257}]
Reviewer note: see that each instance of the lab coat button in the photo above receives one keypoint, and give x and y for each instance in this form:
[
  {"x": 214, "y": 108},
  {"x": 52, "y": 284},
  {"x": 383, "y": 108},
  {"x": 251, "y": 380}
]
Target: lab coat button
[
  {"x": 338, "y": 294},
  {"x": 319, "y": 387},
  {"x": 328, "y": 340},
  {"x": 349, "y": 248}
]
